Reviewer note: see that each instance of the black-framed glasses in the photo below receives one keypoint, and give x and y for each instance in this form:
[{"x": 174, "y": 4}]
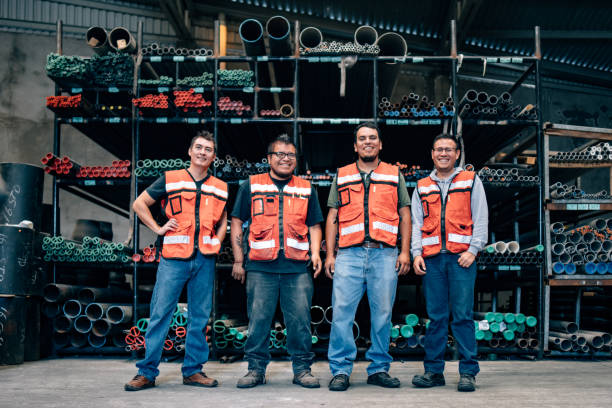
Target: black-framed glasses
[
  {"x": 283, "y": 155},
  {"x": 444, "y": 150}
]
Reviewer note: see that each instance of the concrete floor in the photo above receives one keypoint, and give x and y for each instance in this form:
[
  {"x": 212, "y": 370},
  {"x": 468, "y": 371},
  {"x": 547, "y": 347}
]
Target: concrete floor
[{"x": 98, "y": 382}]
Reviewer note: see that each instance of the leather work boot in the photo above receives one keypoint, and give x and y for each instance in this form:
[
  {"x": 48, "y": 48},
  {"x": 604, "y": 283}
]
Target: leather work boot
[
  {"x": 383, "y": 379},
  {"x": 200, "y": 380},
  {"x": 467, "y": 383},
  {"x": 306, "y": 380},
  {"x": 251, "y": 379},
  {"x": 428, "y": 380},
  {"x": 138, "y": 383},
  {"x": 340, "y": 382}
]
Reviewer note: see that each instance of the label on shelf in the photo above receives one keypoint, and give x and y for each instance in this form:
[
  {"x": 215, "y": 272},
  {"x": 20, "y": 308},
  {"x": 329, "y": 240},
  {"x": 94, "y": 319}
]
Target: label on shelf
[
  {"x": 317, "y": 121},
  {"x": 262, "y": 58},
  {"x": 485, "y": 122},
  {"x": 517, "y": 60},
  {"x": 335, "y": 121},
  {"x": 76, "y": 90},
  {"x": 77, "y": 119},
  {"x": 114, "y": 120},
  {"x": 571, "y": 207},
  {"x": 178, "y": 58},
  {"x": 113, "y": 89},
  {"x": 594, "y": 207},
  {"x": 506, "y": 60},
  {"x": 156, "y": 58},
  {"x": 417, "y": 60},
  {"x": 275, "y": 89},
  {"x": 161, "y": 120},
  {"x": 89, "y": 182},
  {"x": 200, "y": 58},
  {"x": 163, "y": 89},
  {"x": 199, "y": 89},
  {"x": 193, "y": 120},
  {"x": 402, "y": 59},
  {"x": 583, "y": 207},
  {"x": 353, "y": 121},
  {"x": 491, "y": 59},
  {"x": 313, "y": 59},
  {"x": 248, "y": 89},
  {"x": 235, "y": 120},
  {"x": 331, "y": 59}
]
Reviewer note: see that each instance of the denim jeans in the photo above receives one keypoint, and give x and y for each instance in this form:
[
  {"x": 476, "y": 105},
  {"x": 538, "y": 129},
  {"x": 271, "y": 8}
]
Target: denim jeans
[
  {"x": 357, "y": 270},
  {"x": 172, "y": 274},
  {"x": 449, "y": 285},
  {"x": 263, "y": 292}
]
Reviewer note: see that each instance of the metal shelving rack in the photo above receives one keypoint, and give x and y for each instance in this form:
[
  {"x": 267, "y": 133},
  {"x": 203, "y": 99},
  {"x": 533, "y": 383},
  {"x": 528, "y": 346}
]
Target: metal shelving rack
[
  {"x": 296, "y": 123},
  {"x": 578, "y": 209}
]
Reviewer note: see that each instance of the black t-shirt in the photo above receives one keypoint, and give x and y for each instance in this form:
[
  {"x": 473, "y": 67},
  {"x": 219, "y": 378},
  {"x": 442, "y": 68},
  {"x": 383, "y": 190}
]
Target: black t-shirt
[{"x": 242, "y": 210}]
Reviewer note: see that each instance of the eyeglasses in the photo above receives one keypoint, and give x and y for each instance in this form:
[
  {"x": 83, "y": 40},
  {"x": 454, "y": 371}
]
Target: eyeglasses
[
  {"x": 444, "y": 150},
  {"x": 283, "y": 155}
]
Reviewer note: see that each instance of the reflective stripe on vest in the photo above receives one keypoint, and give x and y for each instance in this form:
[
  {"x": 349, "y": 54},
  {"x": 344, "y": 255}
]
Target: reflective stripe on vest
[
  {"x": 180, "y": 204},
  {"x": 265, "y": 229},
  {"x": 383, "y": 216},
  {"x": 458, "y": 222}
]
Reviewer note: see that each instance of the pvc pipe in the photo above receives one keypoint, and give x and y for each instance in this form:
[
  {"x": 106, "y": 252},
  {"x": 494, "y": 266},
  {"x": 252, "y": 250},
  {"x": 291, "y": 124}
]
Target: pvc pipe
[
  {"x": 570, "y": 268},
  {"x": 365, "y": 35},
  {"x": 311, "y": 37},
  {"x": 317, "y": 315},
  {"x": 590, "y": 268},
  {"x": 513, "y": 247}
]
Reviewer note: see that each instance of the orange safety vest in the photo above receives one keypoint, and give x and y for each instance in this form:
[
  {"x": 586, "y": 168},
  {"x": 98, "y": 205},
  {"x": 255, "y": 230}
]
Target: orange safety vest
[
  {"x": 457, "y": 212},
  {"x": 181, "y": 205},
  {"x": 278, "y": 219},
  {"x": 382, "y": 205}
]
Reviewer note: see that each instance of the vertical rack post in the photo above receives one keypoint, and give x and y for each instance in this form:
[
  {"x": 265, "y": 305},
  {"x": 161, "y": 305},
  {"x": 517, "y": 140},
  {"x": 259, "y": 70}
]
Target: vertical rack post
[
  {"x": 57, "y": 133},
  {"x": 453, "y": 54}
]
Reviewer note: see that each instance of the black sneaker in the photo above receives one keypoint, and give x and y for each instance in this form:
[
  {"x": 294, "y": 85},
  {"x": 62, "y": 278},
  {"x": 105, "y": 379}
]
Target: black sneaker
[
  {"x": 340, "y": 382},
  {"x": 467, "y": 383},
  {"x": 251, "y": 379},
  {"x": 428, "y": 380},
  {"x": 383, "y": 379}
]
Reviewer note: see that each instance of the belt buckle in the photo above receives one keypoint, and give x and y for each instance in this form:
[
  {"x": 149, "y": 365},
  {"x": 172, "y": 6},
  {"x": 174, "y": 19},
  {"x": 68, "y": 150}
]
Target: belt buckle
[{"x": 371, "y": 244}]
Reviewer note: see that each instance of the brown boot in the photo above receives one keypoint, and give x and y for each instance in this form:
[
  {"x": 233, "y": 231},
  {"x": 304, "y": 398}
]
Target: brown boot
[
  {"x": 138, "y": 383},
  {"x": 200, "y": 380}
]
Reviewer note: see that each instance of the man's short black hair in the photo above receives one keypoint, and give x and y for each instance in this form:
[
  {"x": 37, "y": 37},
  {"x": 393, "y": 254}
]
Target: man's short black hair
[
  {"x": 370, "y": 125},
  {"x": 283, "y": 139},
  {"x": 206, "y": 135},
  {"x": 445, "y": 136}
]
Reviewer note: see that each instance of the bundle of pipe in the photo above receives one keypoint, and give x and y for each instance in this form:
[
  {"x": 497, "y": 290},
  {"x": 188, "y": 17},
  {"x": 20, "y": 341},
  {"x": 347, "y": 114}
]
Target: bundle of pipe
[
  {"x": 232, "y": 169},
  {"x": 341, "y": 48},
  {"x": 235, "y": 78},
  {"x": 285, "y": 111},
  {"x": 59, "y": 167},
  {"x": 415, "y": 106},
  {"x": 69, "y": 105},
  {"x": 565, "y": 336},
  {"x": 586, "y": 249},
  {"x": 410, "y": 333},
  {"x": 560, "y": 191},
  {"x": 480, "y": 105},
  {"x": 67, "y": 167},
  {"x": 151, "y": 101},
  {"x": 321, "y": 320},
  {"x": 601, "y": 152},
  {"x": 103, "y": 70},
  {"x": 192, "y": 102},
  {"x": 206, "y": 79},
  {"x": 160, "y": 49},
  {"x": 507, "y": 175},
  {"x": 91, "y": 249},
  {"x": 149, "y": 254},
  {"x": 413, "y": 173},
  {"x": 163, "y": 80},
  {"x": 155, "y": 168},
  {"x": 501, "y": 330},
  {"x": 526, "y": 257},
  {"x": 228, "y": 107},
  {"x": 327, "y": 176}
]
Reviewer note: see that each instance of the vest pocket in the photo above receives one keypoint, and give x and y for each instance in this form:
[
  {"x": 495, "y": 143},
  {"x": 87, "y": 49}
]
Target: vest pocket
[{"x": 261, "y": 232}]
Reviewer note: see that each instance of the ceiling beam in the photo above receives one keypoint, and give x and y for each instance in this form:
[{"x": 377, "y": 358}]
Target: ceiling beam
[
  {"x": 451, "y": 14},
  {"x": 178, "y": 14},
  {"x": 544, "y": 34},
  {"x": 466, "y": 15}
]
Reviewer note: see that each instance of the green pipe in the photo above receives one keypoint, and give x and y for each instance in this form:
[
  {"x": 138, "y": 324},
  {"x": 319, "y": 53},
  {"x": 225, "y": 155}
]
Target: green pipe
[
  {"x": 509, "y": 318},
  {"x": 143, "y": 325},
  {"x": 411, "y": 319},
  {"x": 520, "y": 328},
  {"x": 480, "y": 334},
  {"x": 406, "y": 331},
  {"x": 315, "y": 339},
  {"x": 395, "y": 332},
  {"x": 494, "y": 327},
  {"x": 499, "y": 317},
  {"x": 508, "y": 335},
  {"x": 488, "y": 335},
  {"x": 531, "y": 321},
  {"x": 519, "y": 318}
]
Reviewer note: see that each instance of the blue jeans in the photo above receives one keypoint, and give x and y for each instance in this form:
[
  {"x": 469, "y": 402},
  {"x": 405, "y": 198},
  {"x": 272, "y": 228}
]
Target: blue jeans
[
  {"x": 172, "y": 274},
  {"x": 263, "y": 292},
  {"x": 359, "y": 269},
  {"x": 447, "y": 284}
]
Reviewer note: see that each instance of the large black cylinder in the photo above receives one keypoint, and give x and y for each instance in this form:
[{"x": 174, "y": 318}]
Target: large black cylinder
[
  {"x": 12, "y": 329},
  {"x": 32, "y": 329},
  {"x": 21, "y": 272},
  {"x": 21, "y": 193}
]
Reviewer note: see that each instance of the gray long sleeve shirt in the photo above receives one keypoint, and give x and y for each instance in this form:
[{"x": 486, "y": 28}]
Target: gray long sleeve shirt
[{"x": 480, "y": 214}]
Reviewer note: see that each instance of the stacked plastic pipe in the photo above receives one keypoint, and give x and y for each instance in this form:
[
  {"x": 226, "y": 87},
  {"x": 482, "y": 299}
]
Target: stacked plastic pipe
[
  {"x": 510, "y": 253},
  {"x": 235, "y": 78},
  {"x": 320, "y": 322},
  {"x": 162, "y": 81},
  {"x": 155, "y": 168},
  {"x": 189, "y": 101},
  {"x": 502, "y": 330},
  {"x": 151, "y": 101},
  {"x": 232, "y": 169},
  {"x": 341, "y": 48},
  {"x": 149, "y": 254},
  {"x": 507, "y": 175},
  {"x": 416, "y": 107},
  {"x": 480, "y": 105},
  {"x": 206, "y": 79},
  {"x": 229, "y": 107},
  {"x": 560, "y": 191},
  {"x": 601, "y": 152},
  {"x": 160, "y": 49},
  {"x": 80, "y": 316},
  {"x": 91, "y": 249},
  {"x": 565, "y": 336},
  {"x": 326, "y": 176},
  {"x": 69, "y": 105},
  {"x": 285, "y": 111},
  {"x": 409, "y": 333},
  {"x": 233, "y": 333},
  {"x": 586, "y": 249},
  {"x": 67, "y": 167}
]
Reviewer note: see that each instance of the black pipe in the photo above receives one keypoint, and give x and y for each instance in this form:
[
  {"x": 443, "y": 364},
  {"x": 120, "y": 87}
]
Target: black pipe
[
  {"x": 97, "y": 39},
  {"x": 120, "y": 34},
  {"x": 279, "y": 36},
  {"x": 251, "y": 34},
  {"x": 311, "y": 37}
]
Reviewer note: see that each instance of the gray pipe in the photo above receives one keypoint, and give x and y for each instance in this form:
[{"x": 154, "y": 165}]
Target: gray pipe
[
  {"x": 559, "y": 343},
  {"x": 62, "y": 324},
  {"x": 392, "y": 45},
  {"x": 571, "y": 337},
  {"x": 557, "y": 228},
  {"x": 588, "y": 237},
  {"x": 96, "y": 341},
  {"x": 598, "y": 223},
  {"x": 72, "y": 308},
  {"x": 317, "y": 315},
  {"x": 607, "y": 337},
  {"x": 56, "y": 292},
  {"x": 251, "y": 34},
  {"x": 593, "y": 340},
  {"x": 558, "y": 249},
  {"x": 101, "y": 327},
  {"x": 329, "y": 314},
  {"x": 311, "y": 37},
  {"x": 82, "y": 324},
  {"x": 97, "y": 39},
  {"x": 122, "y": 34},
  {"x": 365, "y": 35},
  {"x": 279, "y": 36},
  {"x": 78, "y": 339},
  {"x": 595, "y": 246},
  {"x": 563, "y": 326}
]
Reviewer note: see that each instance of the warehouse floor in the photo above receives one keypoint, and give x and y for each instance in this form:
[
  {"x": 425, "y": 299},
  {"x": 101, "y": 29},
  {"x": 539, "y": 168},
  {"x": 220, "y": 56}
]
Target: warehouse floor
[{"x": 98, "y": 382}]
